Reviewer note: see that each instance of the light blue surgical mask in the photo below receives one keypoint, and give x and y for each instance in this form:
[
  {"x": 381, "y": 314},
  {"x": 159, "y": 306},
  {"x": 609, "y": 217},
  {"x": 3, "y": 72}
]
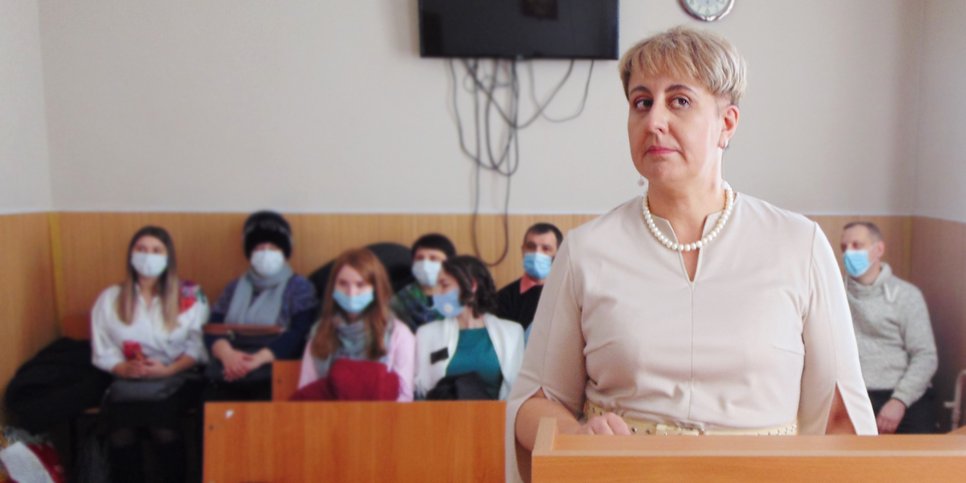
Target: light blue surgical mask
[
  {"x": 856, "y": 262},
  {"x": 427, "y": 272},
  {"x": 267, "y": 262},
  {"x": 537, "y": 265},
  {"x": 352, "y": 304},
  {"x": 448, "y": 303}
]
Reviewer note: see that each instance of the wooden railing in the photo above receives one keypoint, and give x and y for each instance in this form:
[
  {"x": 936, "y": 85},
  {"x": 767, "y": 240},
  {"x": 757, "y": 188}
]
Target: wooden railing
[
  {"x": 354, "y": 441},
  {"x": 562, "y": 458}
]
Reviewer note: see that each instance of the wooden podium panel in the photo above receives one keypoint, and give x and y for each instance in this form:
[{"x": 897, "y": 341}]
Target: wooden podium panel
[
  {"x": 354, "y": 441},
  {"x": 825, "y": 459}
]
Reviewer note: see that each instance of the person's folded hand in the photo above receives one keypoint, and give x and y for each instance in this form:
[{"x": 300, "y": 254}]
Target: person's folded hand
[
  {"x": 155, "y": 369},
  {"x": 235, "y": 367},
  {"x": 609, "y": 423}
]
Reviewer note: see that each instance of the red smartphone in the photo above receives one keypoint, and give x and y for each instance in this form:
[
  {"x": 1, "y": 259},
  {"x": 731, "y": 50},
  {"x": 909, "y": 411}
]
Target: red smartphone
[{"x": 132, "y": 351}]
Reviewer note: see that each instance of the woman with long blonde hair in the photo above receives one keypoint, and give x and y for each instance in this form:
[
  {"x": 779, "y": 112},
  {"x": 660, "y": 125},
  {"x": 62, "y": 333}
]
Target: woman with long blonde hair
[{"x": 148, "y": 329}]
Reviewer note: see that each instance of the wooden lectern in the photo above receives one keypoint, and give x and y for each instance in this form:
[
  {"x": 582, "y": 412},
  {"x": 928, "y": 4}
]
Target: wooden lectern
[
  {"x": 354, "y": 441},
  {"x": 786, "y": 459}
]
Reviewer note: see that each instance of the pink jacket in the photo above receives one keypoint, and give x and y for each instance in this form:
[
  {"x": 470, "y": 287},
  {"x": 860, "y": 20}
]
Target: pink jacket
[{"x": 401, "y": 359}]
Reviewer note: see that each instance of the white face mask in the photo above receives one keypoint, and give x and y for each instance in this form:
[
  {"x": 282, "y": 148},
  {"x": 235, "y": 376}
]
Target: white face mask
[
  {"x": 426, "y": 272},
  {"x": 267, "y": 262},
  {"x": 149, "y": 264}
]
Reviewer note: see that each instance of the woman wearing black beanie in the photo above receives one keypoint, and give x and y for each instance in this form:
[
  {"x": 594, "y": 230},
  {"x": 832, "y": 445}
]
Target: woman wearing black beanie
[{"x": 261, "y": 316}]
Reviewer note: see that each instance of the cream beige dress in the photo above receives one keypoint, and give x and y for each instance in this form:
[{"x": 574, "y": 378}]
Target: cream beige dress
[{"x": 760, "y": 338}]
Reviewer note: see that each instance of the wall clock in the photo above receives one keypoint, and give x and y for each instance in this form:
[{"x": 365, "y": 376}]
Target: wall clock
[{"x": 707, "y": 10}]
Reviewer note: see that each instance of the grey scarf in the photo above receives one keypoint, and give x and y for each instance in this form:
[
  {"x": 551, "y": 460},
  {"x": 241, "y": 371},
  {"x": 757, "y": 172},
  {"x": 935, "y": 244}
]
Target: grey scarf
[
  {"x": 267, "y": 293},
  {"x": 353, "y": 343}
]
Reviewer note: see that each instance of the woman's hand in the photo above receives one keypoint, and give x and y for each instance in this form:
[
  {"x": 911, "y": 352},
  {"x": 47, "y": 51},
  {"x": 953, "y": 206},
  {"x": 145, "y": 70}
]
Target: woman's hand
[
  {"x": 538, "y": 406},
  {"x": 129, "y": 369},
  {"x": 609, "y": 423},
  {"x": 154, "y": 369},
  {"x": 235, "y": 365},
  {"x": 232, "y": 360},
  {"x": 258, "y": 359}
]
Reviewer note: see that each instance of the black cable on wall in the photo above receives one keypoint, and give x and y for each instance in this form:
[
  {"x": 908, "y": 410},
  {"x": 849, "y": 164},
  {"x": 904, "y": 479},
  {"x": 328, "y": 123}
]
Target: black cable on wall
[{"x": 502, "y": 149}]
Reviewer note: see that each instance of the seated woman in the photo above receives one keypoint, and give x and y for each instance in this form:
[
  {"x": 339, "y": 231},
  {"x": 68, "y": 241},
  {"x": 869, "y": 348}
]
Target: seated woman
[
  {"x": 149, "y": 328},
  {"x": 470, "y": 341},
  {"x": 268, "y": 296},
  {"x": 413, "y": 304},
  {"x": 357, "y": 326}
]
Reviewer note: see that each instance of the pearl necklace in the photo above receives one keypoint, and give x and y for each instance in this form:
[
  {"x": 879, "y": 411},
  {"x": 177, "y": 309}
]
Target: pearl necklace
[{"x": 704, "y": 241}]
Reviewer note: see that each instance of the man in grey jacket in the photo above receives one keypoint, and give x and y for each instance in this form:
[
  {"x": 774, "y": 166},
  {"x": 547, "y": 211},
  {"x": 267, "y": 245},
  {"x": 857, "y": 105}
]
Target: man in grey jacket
[{"x": 896, "y": 346}]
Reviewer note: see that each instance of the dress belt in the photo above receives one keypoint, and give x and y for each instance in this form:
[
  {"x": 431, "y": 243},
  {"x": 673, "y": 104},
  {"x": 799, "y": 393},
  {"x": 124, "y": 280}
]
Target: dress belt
[{"x": 638, "y": 426}]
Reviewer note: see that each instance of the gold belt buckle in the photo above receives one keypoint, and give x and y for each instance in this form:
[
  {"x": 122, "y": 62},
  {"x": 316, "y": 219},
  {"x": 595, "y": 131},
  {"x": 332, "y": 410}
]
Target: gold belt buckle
[{"x": 690, "y": 428}]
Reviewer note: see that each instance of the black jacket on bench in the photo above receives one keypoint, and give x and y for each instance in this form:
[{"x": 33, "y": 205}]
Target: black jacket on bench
[{"x": 55, "y": 385}]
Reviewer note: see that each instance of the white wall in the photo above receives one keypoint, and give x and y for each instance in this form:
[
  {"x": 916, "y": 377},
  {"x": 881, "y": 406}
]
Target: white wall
[
  {"x": 325, "y": 106},
  {"x": 941, "y": 180},
  {"x": 24, "y": 163}
]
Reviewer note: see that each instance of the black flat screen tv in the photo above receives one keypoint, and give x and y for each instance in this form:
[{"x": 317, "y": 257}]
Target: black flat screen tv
[{"x": 572, "y": 29}]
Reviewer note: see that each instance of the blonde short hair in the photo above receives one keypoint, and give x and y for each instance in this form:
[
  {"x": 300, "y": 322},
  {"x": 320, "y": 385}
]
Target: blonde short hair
[{"x": 706, "y": 57}]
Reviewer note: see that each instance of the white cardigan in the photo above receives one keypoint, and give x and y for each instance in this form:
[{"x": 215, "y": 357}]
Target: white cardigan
[{"x": 507, "y": 338}]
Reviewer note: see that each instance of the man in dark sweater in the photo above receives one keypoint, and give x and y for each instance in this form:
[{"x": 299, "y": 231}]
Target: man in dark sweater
[{"x": 518, "y": 300}]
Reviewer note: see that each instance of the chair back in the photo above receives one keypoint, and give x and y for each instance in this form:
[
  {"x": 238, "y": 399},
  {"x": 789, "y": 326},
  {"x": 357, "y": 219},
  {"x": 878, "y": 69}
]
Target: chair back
[{"x": 76, "y": 326}]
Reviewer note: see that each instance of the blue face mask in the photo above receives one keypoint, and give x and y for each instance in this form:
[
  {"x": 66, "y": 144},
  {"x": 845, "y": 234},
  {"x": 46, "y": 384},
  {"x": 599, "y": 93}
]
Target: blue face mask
[
  {"x": 353, "y": 304},
  {"x": 448, "y": 303},
  {"x": 537, "y": 265},
  {"x": 856, "y": 262}
]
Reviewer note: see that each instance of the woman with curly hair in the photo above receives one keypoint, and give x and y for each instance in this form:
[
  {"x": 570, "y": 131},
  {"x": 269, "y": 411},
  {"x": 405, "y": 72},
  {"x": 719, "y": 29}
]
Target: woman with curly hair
[{"x": 471, "y": 354}]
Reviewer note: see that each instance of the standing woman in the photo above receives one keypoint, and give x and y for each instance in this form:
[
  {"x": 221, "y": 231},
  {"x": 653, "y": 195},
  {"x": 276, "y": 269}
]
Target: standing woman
[
  {"x": 272, "y": 303},
  {"x": 470, "y": 341},
  {"x": 692, "y": 309},
  {"x": 358, "y": 325},
  {"x": 149, "y": 328}
]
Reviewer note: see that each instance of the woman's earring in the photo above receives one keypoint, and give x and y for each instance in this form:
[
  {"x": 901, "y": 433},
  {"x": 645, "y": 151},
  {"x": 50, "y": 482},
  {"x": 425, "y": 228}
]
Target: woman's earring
[
  {"x": 726, "y": 143},
  {"x": 640, "y": 182}
]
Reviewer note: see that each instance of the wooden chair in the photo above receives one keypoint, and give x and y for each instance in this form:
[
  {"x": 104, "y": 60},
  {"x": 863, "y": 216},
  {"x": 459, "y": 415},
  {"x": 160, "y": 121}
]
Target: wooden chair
[
  {"x": 956, "y": 404},
  {"x": 285, "y": 379},
  {"x": 76, "y": 326}
]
